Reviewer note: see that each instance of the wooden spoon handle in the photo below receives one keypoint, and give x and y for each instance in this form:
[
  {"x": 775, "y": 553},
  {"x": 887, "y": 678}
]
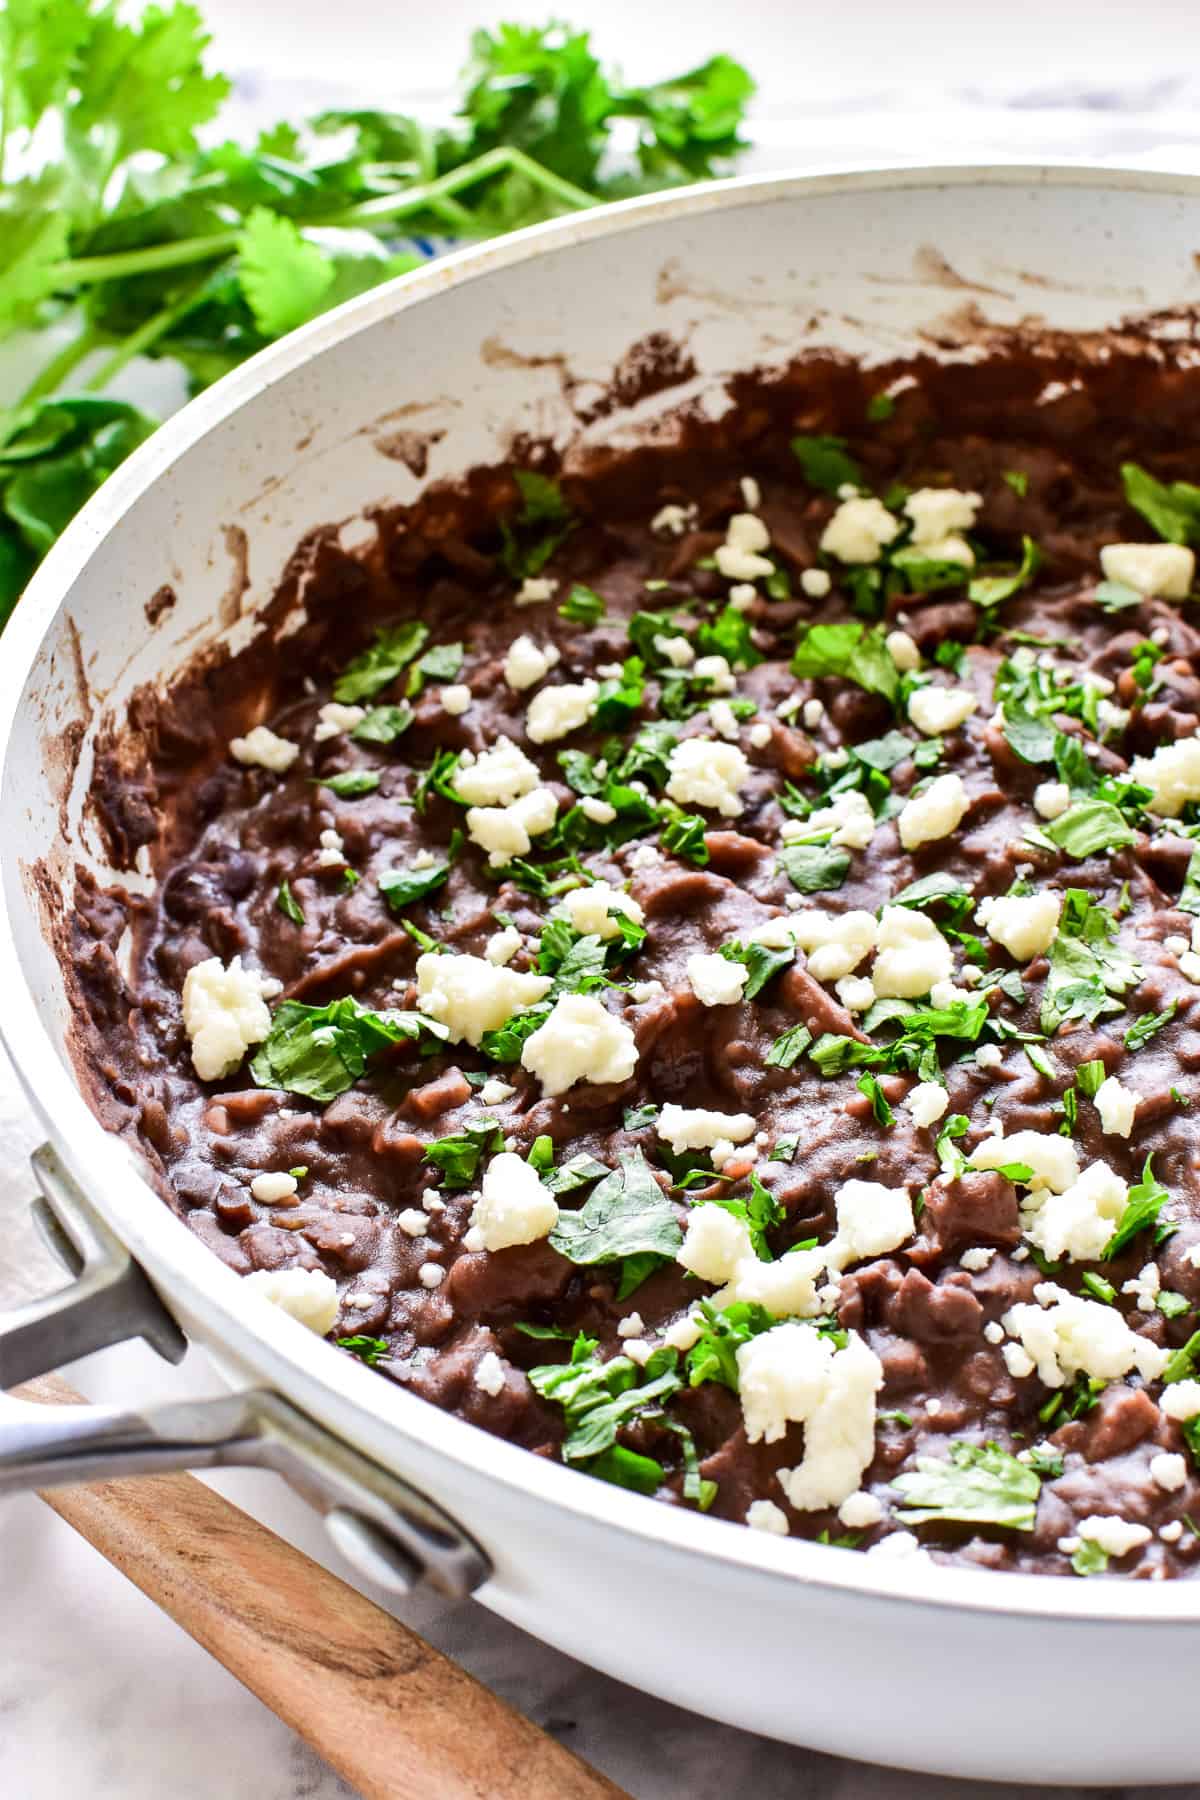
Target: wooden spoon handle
[{"x": 394, "y": 1717}]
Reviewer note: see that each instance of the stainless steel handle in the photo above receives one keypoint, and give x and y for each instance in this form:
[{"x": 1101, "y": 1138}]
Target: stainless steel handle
[{"x": 385, "y": 1527}]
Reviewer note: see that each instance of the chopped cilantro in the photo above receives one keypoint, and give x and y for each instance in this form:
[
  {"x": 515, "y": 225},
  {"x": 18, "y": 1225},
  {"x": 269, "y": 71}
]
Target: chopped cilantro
[
  {"x": 1018, "y": 481},
  {"x": 505, "y": 1043},
  {"x": 981, "y": 1484},
  {"x": 826, "y": 463},
  {"x": 814, "y": 868},
  {"x": 1087, "y": 964},
  {"x": 442, "y": 663},
  {"x": 384, "y": 724},
  {"x": 370, "y": 1350},
  {"x": 1089, "y": 1558},
  {"x": 868, "y": 1085},
  {"x": 1146, "y": 1200},
  {"x": 1099, "y": 1288},
  {"x": 991, "y": 590},
  {"x": 400, "y": 887},
  {"x": 1173, "y": 509},
  {"x": 393, "y": 649},
  {"x": 713, "y": 1357},
  {"x": 350, "y": 784},
  {"x": 582, "y": 606},
  {"x": 461, "y": 1156},
  {"x": 287, "y": 903},
  {"x": 683, "y": 836},
  {"x": 1089, "y": 826},
  {"x": 1148, "y": 1025},
  {"x": 1116, "y": 596},
  {"x": 599, "y": 1398},
  {"x": 760, "y": 962},
  {"x": 788, "y": 1048},
  {"x": 879, "y": 407},
  {"x": 849, "y": 650},
  {"x": 1090, "y": 1077},
  {"x": 320, "y": 1051},
  {"x": 627, "y": 1214},
  {"x": 530, "y": 538}
]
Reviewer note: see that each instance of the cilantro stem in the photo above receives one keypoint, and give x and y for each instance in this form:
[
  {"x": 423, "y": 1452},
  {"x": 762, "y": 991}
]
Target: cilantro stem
[
  {"x": 55, "y": 372},
  {"x": 146, "y": 334},
  {"x": 427, "y": 196}
]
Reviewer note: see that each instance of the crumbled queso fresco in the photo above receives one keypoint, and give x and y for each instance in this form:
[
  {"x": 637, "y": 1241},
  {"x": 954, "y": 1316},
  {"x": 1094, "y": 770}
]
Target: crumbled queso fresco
[{"x": 696, "y": 967}]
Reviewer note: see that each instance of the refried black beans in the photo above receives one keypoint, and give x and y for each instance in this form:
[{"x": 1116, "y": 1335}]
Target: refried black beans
[{"x": 686, "y": 960}]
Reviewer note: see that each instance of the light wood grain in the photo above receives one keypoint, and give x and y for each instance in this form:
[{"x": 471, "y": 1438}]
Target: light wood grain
[{"x": 385, "y": 1709}]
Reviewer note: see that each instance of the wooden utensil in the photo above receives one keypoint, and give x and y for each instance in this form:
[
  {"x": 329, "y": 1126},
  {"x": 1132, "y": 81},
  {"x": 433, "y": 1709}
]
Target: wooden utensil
[{"x": 394, "y": 1717}]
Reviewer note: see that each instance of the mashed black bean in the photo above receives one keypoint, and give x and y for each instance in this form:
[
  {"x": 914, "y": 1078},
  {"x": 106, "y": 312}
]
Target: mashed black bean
[{"x": 281, "y": 867}]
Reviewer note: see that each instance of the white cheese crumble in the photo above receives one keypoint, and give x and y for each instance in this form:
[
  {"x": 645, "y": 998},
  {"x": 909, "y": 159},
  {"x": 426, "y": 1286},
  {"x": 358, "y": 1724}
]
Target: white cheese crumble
[
  {"x": 431, "y": 1275},
  {"x": 513, "y": 1207},
  {"x": 1025, "y": 924},
  {"x": 494, "y": 1091},
  {"x": 792, "y": 1375},
  {"x": 632, "y": 1326},
  {"x": 694, "y": 1128},
  {"x": 740, "y": 557},
  {"x": 927, "y": 1102},
  {"x": 871, "y": 1220},
  {"x": 535, "y": 589},
  {"x": 673, "y": 520},
  {"x": 590, "y": 909},
  {"x": 723, "y": 720},
  {"x": 1114, "y": 1535},
  {"x": 456, "y": 699},
  {"x": 1168, "y": 1470},
  {"x": 976, "y": 1259},
  {"x": 1116, "y": 1105},
  {"x": 271, "y": 1188},
  {"x": 527, "y": 662},
  {"x": 332, "y": 853},
  {"x": 764, "y": 1515},
  {"x": 900, "y": 1546},
  {"x": 934, "y": 710},
  {"x": 263, "y": 748},
  {"x": 903, "y": 651},
  {"x": 1051, "y": 799},
  {"x": 677, "y": 651},
  {"x": 716, "y": 981},
  {"x": 333, "y": 719},
  {"x": 1166, "y": 570},
  {"x": 580, "y": 1041},
  {"x": 497, "y": 777},
  {"x": 742, "y": 596},
  {"x": 706, "y": 773},
  {"x": 1079, "y": 1222},
  {"x": 856, "y": 992},
  {"x": 599, "y": 811},
  {"x": 935, "y": 813},
  {"x": 860, "y": 1510},
  {"x": 759, "y": 735},
  {"x": 1065, "y": 1334},
  {"x": 683, "y": 1334},
  {"x": 815, "y": 583},
  {"x": 1172, "y": 774},
  {"x": 812, "y": 713},
  {"x": 413, "y": 1222},
  {"x": 308, "y": 1295},
  {"x": 469, "y": 995},
  {"x": 751, "y": 493},
  {"x": 717, "y": 672},
  {"x": 988, "y": 1056},
  {"x": 508, "y": 831},
  {"x": 557, "y": 711},
  {"x": 938, "y": 512},
  {"x": 834, "y": 944},
  {"x": 912, "y": 955},
  {"x": 858, "y": 531},
  {"x": 503, "y": 945},
  {"x": 849, "y": 818},
  {"x": 1052, "y": 1158},
  {"x": 1180, "y": 1400},
  {"x": 224, "y": 1013},
  {"x": 714, "y": 1244},
  {"x": 489, "y": 1374}
]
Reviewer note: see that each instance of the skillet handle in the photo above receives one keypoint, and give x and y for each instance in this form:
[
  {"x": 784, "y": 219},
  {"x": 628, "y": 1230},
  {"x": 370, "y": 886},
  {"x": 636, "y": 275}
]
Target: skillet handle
[{"x": 388, "y": 1530}]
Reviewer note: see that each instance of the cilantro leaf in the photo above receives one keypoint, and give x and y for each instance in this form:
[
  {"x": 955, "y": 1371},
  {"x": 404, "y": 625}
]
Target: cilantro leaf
[
  {"x": 599, "y": 1398},
  {"x": 400, "y": 887},
  {"x": 287, "y": 903},
  {"x": 1089, "y": 826},
  {"x": 320, "y": 1051},
  {"x": 761, "y": 963},
  {"x": 582, "y": 606},
  {"x": 383, "y": 724},
  {"x": 1087, "y": 964},
  {"x": 990, "y": 590},
  {"x": 370, "y": 1350},
  {"x": 851, "y": 651},
  {"x": 1146, "y": 1200},
  {"x": 350, "y": 784},
  {"x": 461, "y": 1155},
  {"x": 981, "y": 1484},
  {"x": 713, "y": 1357},
  {"x": 1173, "y": 510},
  {"x": 284, "y": 277},
  {"x": 1148, "y": 1026},
  {"x": 789, "y": 1048},
  {"x": 826, "y": 463},
  {"x": 531, "y": 536},
  {"x": 814, "y": 868},
  {"x": 627, "y": 1214},
  {"x": 393, "y": 649}
]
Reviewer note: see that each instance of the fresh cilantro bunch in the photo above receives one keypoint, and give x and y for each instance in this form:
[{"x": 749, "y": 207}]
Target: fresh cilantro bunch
[{"x": 128, "y": 233}]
